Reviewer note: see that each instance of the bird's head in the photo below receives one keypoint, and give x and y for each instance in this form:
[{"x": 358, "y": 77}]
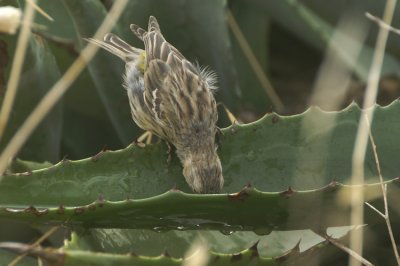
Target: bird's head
[{"x": 203, "y": 172}]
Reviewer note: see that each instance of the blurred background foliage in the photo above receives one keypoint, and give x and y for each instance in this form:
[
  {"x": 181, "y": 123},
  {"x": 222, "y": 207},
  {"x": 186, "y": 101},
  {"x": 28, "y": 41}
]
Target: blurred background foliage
[{"x": 288, "y": 38}]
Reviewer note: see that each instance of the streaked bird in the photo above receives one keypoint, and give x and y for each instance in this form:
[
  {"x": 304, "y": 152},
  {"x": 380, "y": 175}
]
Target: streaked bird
[{"x": 172, "y": 98}]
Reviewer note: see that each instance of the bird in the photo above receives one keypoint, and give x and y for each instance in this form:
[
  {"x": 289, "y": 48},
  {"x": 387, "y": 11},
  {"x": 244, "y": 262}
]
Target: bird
[{"x": 173, "y": 99}]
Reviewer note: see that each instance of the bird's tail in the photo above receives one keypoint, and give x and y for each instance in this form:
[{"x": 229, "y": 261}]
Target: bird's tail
[
  {"x": 153, "y": 27},
  {"x": 115, "y": 45}
]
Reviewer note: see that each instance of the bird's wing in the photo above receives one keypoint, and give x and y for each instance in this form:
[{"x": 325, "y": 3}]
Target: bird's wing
[{"x": 175, "y": 90}]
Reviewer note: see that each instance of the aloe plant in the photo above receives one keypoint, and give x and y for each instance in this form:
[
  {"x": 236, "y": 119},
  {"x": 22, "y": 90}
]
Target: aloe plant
[{"x": 282, "y": 179}]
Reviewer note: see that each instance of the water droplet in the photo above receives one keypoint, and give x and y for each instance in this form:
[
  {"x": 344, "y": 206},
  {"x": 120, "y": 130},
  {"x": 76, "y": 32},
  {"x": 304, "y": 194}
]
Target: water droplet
[
  {"x": 227, "y": 232},
  {"x": 229, "y": 229},
  {"x": 160, "y": 229}
]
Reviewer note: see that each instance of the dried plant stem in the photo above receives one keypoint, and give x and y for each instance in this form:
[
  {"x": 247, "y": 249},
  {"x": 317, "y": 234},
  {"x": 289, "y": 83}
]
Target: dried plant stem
[
  {"x": 382, "y": 24},
  {"x": 17, "y": 65},
  {"x": 56, "y": 92},
  {"x": 244, "y": 45},
  {"x": 39, "y": 9},
  {"x": 384, "y": 192},
  {"x": 34, "y": 245},
  {"x": 357, "y": 198},
  {"x": 232, "y": 118},
  {"x": 349, "y": 251}
]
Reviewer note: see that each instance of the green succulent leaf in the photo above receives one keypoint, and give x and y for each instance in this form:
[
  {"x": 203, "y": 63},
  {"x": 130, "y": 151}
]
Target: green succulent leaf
[
  {"x": 251, "y": 255},
  {"x": 127, "y": 183},
  {"x": 176, "y": 210}
]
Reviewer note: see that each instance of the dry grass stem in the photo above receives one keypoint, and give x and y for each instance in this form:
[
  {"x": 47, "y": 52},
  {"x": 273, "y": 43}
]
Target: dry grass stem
[
  {"x": 197, "y": 255},
  {"x": 360, "y": 147},
  {"x": 349, "y": 251},
  {"x": 34, "y": 245},
  {"x": 382, "y": 24},
  {"x": 375, "y": 209},
  {"x": 16, "y": 68},
  {"x": 384, "y": 192},
  {"x": 39, "y": 9},
  {"x": 232, "y": 118},
  {"x": 330, "y": 87},
  {"x": 334, "y": 74}
]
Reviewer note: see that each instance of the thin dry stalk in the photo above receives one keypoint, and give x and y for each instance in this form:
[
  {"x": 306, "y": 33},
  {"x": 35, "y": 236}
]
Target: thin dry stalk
[
  {"x": 384, "y": 192},
  {"x": 39, "y": 9},
  {"x": 385, "y": 215},
  {"x": 16, "y": 69},
  {"x": 349, "y": 251},
  {"x": 244, "y": 45},
  {"x": 382, "y": 24},
  {"x": 360, "y": 147},
  {"x": 58, "y": 90},
  {"x": 197, "y": 255},
  {"x": 334, "y": 74},
  {"x": 35, "y": 244}
]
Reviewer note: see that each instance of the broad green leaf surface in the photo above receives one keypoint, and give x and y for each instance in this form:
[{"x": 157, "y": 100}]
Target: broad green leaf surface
[
  {"x": 175, "y": 210},
  {"x": 78, "y": 183},
  {"x": 176, "y": 242},
  {"x": 251, "y": 255},
  {"x": 271, "y": 154},
  {"x": 154, "y": 243}
]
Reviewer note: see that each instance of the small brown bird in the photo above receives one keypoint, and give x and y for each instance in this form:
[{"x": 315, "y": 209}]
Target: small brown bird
[{"x": 172, "y": 98}]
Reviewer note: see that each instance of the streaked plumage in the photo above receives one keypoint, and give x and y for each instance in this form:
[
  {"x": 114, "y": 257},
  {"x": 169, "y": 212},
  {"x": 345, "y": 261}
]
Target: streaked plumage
[{"x": 172, "y": 98}]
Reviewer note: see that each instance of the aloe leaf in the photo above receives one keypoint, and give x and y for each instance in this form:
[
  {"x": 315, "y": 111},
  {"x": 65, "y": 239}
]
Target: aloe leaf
[
  {"x": 251, "y": 255},
  {"x": 20, "y": 166},
  {"x": 240, "y": 146},
  {"x": 176, "y": 242},
  {"x": 139, "y": 172},
  {"x": 263, "y": 153},
  {"x": 176, "y": 210},
  {"x": 154, "y": 243}
]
